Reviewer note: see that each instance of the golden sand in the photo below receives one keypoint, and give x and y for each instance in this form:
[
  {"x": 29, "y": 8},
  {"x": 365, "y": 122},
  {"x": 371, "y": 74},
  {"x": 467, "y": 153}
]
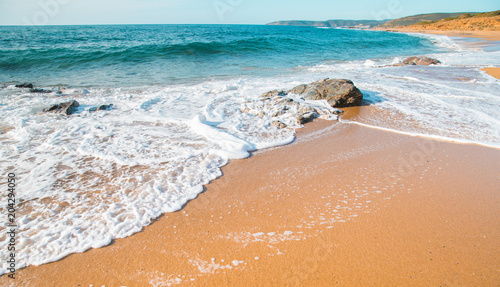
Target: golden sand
[
  {"x": 344, "y": 205},
  {"x": 494, "y": 72}
]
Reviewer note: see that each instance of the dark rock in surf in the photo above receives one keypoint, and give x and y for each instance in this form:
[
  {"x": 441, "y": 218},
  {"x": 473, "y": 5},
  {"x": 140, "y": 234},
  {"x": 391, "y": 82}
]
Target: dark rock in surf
[
  {"x": 338, "y": 92},
  {"x": 101, "y": 108},
  {"x": 40, "y": 91},
  {"x": 66, "y": 108},
  {"x": 25, "y": 85}
]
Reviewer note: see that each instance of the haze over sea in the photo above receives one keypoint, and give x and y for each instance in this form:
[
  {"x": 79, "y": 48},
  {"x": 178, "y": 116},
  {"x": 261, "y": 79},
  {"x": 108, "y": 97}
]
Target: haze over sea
[{"x": 179, "y": 93}]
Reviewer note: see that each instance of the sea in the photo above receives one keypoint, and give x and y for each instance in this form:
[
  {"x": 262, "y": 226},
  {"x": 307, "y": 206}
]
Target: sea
[{"x": 180, "y": 96}]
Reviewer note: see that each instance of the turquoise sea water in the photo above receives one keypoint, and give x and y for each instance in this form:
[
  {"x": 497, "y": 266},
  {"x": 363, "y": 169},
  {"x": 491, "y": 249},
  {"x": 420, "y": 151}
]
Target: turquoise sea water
[
  {"x": 168, "y": 54},
  {"x": 181, "y": 97}
]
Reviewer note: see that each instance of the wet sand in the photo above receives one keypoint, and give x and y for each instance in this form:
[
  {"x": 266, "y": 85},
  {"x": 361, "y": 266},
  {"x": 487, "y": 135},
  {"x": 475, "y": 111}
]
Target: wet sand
[{"x": 345, "y": 205}]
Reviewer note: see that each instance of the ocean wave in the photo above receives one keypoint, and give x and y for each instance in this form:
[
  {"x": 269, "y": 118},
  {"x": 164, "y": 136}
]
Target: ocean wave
[{"x": 115, "y": 51}]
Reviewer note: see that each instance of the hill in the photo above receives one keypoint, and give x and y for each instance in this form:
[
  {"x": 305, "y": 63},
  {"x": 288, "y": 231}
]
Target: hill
[
  {"x": 331, "y": 23},
  {"x": 410, "y": 20},
  {"x": 489, "y": 21},
  {"x": 472, "y": 21}
]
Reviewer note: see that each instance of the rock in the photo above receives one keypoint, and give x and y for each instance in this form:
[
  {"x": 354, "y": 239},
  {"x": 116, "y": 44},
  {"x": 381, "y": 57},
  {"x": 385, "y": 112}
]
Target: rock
[
  {"x": 288, "y": 103},
  {"x": 25, "y": 85},
  {"x": 300, "y": 89},
  {"x": 281, "y": 111},
  {"x": 253, "y": 112},
  {"x": 40, "y": 91},
  {"x": 105, "y": 107},
  {"x": 307, "y": 117},
  {"x": 338, "y": 92},
  {"x": 66, "y": 108},
  {"x": 422, "y": 61},
  {"x": 101, "y": 108},
  {"x": 274, "y": 93},
  {"x": 306, "y": 109},
  {"x": 279, "y": 124}
]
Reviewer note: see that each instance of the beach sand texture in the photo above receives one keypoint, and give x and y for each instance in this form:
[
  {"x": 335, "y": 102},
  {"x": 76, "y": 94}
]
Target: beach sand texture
[
  {"x": 344, "y": 205},
  {"x": 494, "y": 72}
]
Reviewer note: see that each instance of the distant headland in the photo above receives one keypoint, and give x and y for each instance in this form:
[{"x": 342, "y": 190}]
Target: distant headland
[{"x": 465, "y": 21}]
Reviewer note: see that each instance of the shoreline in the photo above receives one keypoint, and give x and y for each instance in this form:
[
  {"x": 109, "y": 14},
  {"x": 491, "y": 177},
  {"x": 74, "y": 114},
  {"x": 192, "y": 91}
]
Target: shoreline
[
  {"x": 322, "y": 210},
  {"x": 489, "y": 36}
]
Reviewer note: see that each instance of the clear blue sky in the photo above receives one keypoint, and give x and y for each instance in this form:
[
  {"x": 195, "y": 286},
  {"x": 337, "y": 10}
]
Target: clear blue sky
[{"x": 57, "y": 12}]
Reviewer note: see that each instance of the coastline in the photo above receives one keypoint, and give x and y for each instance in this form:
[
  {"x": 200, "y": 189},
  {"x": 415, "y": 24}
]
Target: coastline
[{"x": 322, "y": 210}]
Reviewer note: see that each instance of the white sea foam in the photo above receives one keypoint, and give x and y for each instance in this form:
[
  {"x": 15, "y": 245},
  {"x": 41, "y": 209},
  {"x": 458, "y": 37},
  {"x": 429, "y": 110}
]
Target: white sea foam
[
  {"x": 91, "y": 177},
  {"x": 453, "y": 101}
]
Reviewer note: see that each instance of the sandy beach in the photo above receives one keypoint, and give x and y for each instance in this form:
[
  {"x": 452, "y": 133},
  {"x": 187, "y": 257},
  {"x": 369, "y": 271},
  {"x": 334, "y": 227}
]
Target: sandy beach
[{"x": 344, "y": 205}]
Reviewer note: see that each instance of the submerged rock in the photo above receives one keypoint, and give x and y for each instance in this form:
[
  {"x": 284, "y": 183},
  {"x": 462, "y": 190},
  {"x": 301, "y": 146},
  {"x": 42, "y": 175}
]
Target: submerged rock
[
  {"x": 422, "y": 61},
  {"x": 66, "y": 108},
  {"x": 279, "y": 124},
  {"x": 307, "y": 117},
  {"x": 40, "y": 91},
  {"x": 274, "y": 93},
  {"x": 25, "y": 85},
  {"x": 285, "y": 110},
  {"x": 101, "y": 108},
  {"x": 338, "y": 92}
]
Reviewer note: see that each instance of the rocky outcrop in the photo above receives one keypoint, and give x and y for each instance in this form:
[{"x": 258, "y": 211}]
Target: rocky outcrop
[
  {"x": 66, "y": 108},
  {"x": 337, "y": 92},
  {"x": 285, "y": 112},
  {"x": 421, "y": 61},
  {"x": 288, "y": 110}
]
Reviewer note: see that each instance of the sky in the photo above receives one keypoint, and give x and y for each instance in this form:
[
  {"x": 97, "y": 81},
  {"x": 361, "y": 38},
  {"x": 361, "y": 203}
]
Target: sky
[{"x": 78, "y": 12}]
